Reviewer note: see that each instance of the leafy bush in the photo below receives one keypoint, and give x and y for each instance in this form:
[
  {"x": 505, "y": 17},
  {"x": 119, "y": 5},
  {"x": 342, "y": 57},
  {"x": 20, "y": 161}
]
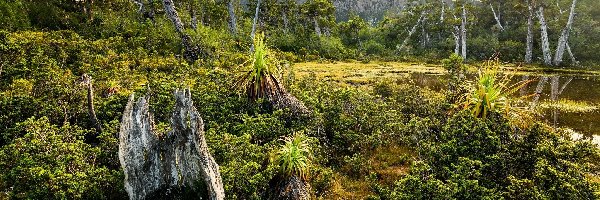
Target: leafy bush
[
  {"x": 51, "y": 162},
  {"x": 472, "y": 158}
]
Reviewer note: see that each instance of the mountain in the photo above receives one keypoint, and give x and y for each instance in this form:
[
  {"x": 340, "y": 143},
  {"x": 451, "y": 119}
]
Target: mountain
[{"x": 370, "y": 10}]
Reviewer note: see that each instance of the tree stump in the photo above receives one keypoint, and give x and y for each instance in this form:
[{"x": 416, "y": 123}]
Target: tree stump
[{"x": 170, "y": 165}]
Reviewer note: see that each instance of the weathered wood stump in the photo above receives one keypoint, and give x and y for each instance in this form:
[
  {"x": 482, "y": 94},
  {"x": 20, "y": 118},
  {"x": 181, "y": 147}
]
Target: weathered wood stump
[
  {"x": 166, "y": 166},
  {"x": 288, "y": 188}
]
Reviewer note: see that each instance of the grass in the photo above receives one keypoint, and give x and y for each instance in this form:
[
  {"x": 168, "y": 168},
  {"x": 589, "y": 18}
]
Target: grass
[
  {"x": 362, "y": 73},
  {"x": 389, "y": 163},
  {"x": 566, "y": 105}
]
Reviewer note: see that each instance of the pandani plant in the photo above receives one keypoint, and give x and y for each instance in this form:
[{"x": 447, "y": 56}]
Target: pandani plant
[
  {"x": 294, "y": 156},
  {"x": 260, "y": 81},
  {"x": 293, "y": 160},
  {"x": 492, "y": 93}
]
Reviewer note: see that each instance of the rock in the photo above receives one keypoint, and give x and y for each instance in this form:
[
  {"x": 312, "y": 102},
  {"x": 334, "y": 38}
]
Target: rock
[{"x": 169, "y": 165}]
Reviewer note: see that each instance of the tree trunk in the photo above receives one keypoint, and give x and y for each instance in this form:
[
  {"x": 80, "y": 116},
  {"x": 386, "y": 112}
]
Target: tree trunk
[
  {"x": 255, "y": 20},
  {"x": 151, "y": 10},
  {"x": 573, "y": 60},
  {"x": 497, "y": 18},
  {"x": 162, "y": 166},
  {"x": 529, "y": 48},
  {"x": 285, "y": 21},
  {"x": 457, "y": 39},
  {"x": 443, "y": 12},
  {"x": 194, "y": 20},
  {"x": 316, "y": 24},
  {"x": 191, "y": 50},
  {"x": 544, "y": 36},
  {"x": 87, "y": 80},
  {"x": 90, "y": 13},
  {"x": 463, "y": 32},
  {"x": 289, "y": 188},
  {"x": 232, "y": 19},
  {"x": 412, "y": 31},
  {"x": 425, "y": 36},
  {"x": 564, "y": 36}
]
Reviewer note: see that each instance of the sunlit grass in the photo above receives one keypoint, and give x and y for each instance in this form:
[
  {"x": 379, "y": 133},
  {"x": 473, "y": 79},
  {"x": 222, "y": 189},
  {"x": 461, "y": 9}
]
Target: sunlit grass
[
  {"x": 566, "y": 105},
  {"x": 361, "y": 73}
]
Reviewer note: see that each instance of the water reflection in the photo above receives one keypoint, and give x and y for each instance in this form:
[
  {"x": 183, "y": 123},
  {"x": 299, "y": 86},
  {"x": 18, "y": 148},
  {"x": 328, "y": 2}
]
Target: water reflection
[{"x": 547, "y": 89}]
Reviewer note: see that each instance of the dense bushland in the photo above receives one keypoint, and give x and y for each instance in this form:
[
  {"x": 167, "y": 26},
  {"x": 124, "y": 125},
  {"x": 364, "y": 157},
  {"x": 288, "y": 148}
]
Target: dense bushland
[{"x": 50, "y": 147}]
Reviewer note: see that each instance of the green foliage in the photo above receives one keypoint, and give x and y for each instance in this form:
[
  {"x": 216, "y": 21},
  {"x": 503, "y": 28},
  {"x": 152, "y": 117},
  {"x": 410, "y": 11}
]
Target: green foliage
[
  {"x": 491, "y": 93},
  {"x": 294, "y": 156},
  {"x": 51, "y": 162},
  {"x": 454, "y": 65},
  {"x": 471, "y": 158},
  {"x": 260, "y": 80},
  {"x": 46, "y": 46}
]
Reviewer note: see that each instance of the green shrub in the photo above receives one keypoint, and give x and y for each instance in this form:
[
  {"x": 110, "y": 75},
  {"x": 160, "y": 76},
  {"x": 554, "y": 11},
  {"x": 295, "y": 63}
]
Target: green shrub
[
  {"x": 51, "y": 162},
  {"x": 471, "y": 158}
]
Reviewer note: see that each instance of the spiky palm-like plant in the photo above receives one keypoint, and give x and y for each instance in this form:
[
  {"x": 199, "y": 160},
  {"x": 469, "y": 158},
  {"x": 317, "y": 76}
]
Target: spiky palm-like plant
[
  {"x": 293, "y": 160},
  {"x": 260, "y": 80},
  {"x": 491, "y": 92}
]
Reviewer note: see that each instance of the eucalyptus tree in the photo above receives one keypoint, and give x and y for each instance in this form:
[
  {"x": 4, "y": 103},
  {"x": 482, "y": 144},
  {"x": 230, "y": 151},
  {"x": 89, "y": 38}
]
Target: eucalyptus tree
[
  {"x": 562, "y": 43},
  {"x": 191, "y": 51},
  {"x": 232, "y": 18},
  {"x": 319, "y": 12}
]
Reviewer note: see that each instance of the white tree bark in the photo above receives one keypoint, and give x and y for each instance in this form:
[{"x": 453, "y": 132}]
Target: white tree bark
[
  {"x": 255, "y": 21},
  {"x": 412, "y": 31},
  {"x": 140, "y": 5},
  {"x": 194, "y": 20},
  {"x": 573, "y": 60},
  {"x": 173, "y": 15},
  {"x": 529, "y": 48},
  {"x": 497, "y": 18},
  {"x": 87, "y": 81},
  {"x": 156, "y": 166},
  {"x": 285, "y": 21},
  {"x": 191, "y": 50},
  {"x": 463, "y": 33},
  {"x": 316, "y": 24},
  {"x": 232, "y": 19},
  {"x": 456, "y": 34},
  {"x": 564, "y": 36},
  {"x": 544, "y": 36},
  {"x": 443, "y": 11}
]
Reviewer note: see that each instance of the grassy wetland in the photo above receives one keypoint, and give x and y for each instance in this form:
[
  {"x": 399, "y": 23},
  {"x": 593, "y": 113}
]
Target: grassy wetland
[{"x": 316, "y": 99}]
